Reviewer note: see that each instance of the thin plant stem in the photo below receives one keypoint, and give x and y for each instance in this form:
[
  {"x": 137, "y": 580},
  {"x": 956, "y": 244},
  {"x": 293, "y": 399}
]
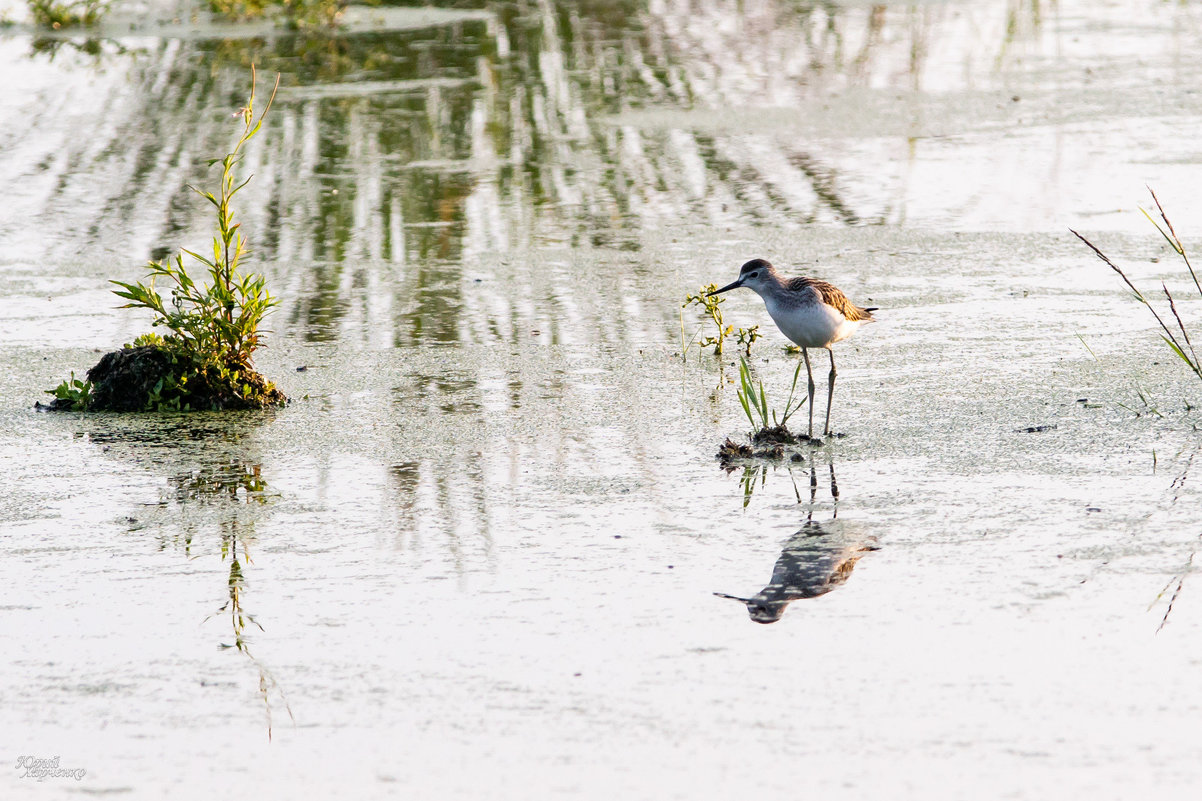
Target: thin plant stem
[
  {"x": 1176, "y": 240},
  {"x": 1168, "y": 332},
  {"x": 1185, "y": 334}
]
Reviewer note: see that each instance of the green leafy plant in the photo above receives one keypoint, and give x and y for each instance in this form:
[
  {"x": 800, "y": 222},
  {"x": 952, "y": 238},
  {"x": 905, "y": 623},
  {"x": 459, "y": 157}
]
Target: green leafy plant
[
  {"x": 755, "y": 401},
  {"x": 217, "y": 321},
  {"x": 213, "y": 324},
  {"x": 711, "y": 307},
  {"x": 1177, "y": 339},
  {"x": 73, "y": 394},
  {"x": 58, "y": 15},
  {"x": 746, "y": 336}
]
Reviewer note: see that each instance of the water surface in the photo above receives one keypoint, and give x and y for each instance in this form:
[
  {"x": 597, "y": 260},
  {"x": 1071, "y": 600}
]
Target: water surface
[{"x": 478, "y": 552}]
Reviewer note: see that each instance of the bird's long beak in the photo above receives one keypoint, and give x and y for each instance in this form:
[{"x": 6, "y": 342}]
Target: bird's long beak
[
  {"x": 726, "y": 288},
  {"x": 733, "y": 597}
]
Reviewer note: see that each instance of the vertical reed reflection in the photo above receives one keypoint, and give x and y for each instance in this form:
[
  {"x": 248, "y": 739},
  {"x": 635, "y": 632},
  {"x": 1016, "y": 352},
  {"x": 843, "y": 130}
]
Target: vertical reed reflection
[{"x": 400, "y": 161}]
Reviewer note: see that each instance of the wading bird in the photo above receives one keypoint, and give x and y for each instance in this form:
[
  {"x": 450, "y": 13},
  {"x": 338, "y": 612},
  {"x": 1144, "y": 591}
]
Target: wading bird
[{"x": 811, "y": 313}]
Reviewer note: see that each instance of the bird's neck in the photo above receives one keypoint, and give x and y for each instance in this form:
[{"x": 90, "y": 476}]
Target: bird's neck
[{"x": 774, "y": 287}]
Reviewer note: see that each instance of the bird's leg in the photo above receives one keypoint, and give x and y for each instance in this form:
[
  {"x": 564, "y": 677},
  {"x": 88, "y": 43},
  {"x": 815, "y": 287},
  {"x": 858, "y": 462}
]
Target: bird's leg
[
  {"x": 805, "y": 354},
  {"x": 830, "y": 394}
]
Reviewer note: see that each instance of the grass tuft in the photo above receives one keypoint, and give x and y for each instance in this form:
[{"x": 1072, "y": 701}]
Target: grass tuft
[
  {"x": 754, "y": 401},
  {"x": 1178, "y": 338}
]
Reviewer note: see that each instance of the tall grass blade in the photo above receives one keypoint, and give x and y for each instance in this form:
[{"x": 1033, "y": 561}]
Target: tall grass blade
[
  {"x": 1168, "y": 332},
  {"x": 1178, "y": 245},
  {"x": 1193, "y": 363}
]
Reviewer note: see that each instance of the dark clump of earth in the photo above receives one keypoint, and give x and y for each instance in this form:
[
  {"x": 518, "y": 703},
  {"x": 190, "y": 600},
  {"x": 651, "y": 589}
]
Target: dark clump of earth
[
  {"x": 778, "y": 435},
  {"x": 122, "y": 380},
  {"x": 732, "y": 451},
  {"x": 151, "y": 377},
  {"x": 767, "y": 443}
]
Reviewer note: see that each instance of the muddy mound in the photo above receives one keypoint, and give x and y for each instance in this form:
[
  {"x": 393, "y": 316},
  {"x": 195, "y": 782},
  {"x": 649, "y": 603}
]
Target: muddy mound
[
  {"x": 156, "y": 378},
  {"x": 122, "y": 380}
]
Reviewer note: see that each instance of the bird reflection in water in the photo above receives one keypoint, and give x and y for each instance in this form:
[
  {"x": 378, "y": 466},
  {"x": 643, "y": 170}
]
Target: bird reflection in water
[{"x": 818, "y": 558}]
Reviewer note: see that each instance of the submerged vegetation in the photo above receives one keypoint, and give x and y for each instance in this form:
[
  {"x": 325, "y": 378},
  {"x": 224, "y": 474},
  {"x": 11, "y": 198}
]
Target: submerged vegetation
[
  {"x": 1178, "y": 338},
  {"x": 204, "y": 362}
]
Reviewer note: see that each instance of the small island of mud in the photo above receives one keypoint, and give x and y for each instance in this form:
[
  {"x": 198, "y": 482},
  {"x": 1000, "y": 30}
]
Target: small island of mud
[{"x": 154, "y": 378}]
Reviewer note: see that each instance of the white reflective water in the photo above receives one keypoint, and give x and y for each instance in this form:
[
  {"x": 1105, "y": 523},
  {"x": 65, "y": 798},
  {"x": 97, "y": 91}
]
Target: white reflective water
[{"x": 477, "y": 555}]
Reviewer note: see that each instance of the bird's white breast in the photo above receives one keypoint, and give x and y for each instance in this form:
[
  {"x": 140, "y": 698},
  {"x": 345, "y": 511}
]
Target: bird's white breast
[{"x": 810, "y": 325}]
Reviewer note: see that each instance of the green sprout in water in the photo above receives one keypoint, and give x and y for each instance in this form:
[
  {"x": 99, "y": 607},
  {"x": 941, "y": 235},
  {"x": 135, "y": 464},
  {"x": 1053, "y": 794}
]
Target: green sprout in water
[
  {"x": 745, "y": 336},
  {"x": 73, "y": 395},
  {"x": 711, "y": 306}
]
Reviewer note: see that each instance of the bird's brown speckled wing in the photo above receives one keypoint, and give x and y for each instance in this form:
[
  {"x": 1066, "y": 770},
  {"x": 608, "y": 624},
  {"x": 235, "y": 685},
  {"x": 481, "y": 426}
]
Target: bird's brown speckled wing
[{"x": 831, "y": 296}]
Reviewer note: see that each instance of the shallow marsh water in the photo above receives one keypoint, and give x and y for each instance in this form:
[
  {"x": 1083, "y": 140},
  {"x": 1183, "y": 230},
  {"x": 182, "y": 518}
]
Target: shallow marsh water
[{"x": 482, "y": 543}]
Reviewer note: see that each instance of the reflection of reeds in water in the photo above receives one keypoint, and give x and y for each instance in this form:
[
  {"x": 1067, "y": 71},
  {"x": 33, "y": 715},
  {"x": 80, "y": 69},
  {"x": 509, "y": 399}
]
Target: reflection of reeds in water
[
  {"x": 441, "y": 501},
  {"x": 442, "y": 505},
  {"x": 400, "y": 157},
  {"x": 240, "y": 618},
  {"x": 1173, "y": 587}
]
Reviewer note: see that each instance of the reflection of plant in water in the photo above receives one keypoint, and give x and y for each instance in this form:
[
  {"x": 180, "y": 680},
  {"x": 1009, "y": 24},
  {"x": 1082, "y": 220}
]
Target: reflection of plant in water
[
  {"x": 445, "y": 497},
  {"x": 76, "y": 13},
  {"x": 236, "y": 480},
  {"x": 752, "y": 474},
  {"x": 239, "y": 617},
  {"x": 235, "y": 483},
  {"x": 1177, "y": 582},
  {"x": 96, "y": 48},
  {"x": 214, "y": 484}
]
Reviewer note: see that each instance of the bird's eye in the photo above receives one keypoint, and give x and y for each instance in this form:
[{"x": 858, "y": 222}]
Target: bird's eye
[{"x": 754, "y": 275}]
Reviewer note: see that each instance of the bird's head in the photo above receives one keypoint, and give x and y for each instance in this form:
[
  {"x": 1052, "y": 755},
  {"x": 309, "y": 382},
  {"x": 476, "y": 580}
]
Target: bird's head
[
  {"x": 761, "y": 609},
  {"x": 755, "y": 275}
]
